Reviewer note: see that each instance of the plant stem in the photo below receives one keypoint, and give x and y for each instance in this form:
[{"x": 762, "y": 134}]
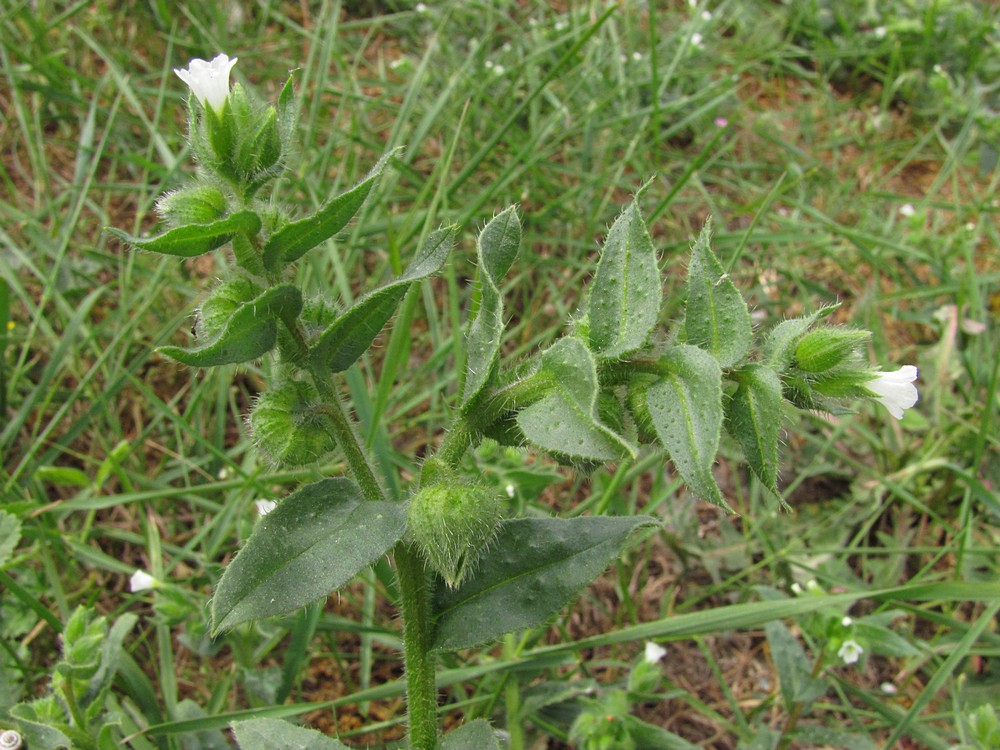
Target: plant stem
[
  {"x": 421, "y": 689},
  {"x": 347, "y": 440}
]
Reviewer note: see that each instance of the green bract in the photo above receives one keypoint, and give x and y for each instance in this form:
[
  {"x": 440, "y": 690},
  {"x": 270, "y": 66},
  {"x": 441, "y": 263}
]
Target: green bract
[{"x": 289, "y": 424}]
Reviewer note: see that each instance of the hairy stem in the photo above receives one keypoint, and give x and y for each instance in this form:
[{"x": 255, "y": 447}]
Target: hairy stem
[{"x": 421, "y": 689}]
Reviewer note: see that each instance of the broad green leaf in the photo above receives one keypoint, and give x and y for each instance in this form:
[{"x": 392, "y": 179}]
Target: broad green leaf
[
  {"x": 10, "y": 535},
  {"x": 779, "y": 346},
  {"x": 626, "y": 292},
  {"x": 41, "y": 724},
  {"x": 311, "y": 544},
  {"x": 195, "y": 239},
  {"x": 716, "y": 318},
  {"x": 753, "y": 417},
  {"x": 350, "y": 335},
  {"x": 294, "y": 240},
  {"x": 496, "y": 247},
  {"x": 251, "y": 332},
  {"x": 476, "y": 735},
  {"x": 206, "y": 739},
  {"x": 794, "y": 667},
  {"x": 272, "y": 734},
  {"x": 533, "y": 568},
  {"x": 565, "y": 421},
  {"x": 685, "y": 407}
]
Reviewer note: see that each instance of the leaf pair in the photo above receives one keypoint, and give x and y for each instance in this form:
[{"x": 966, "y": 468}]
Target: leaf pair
[{"x": 319, "y": 537}]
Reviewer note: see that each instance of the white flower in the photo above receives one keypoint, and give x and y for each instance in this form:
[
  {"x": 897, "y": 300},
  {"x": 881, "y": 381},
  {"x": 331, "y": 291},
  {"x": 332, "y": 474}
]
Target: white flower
[
  {"x": 696, "y": 39},
  {"x": 706, "y": 15},
  {"x": 511, "y": 491},
  {"x": 209, "y": 81},
  {"x": 850, "y": 652},
  {"x": 654, "y": 652},
  {"x": 420, "y": 7},
  {"x": 888, "y": 688},
  {"x": 797, "y": 589},
  {"x": 847, "y": 622},
  {"x": 895, "y": 390},
  {"x": 265, "y": 506},
  {"x": 879, "y": 32},
  {"x": 907, "y": 209},
  {"x": 141, "y": 581}
]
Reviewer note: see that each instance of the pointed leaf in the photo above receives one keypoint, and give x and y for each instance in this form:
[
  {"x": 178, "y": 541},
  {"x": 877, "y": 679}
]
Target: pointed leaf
[
  {"x": 533, "y": 568},
  {"x": 565, "y": 421},
  {"x": 195, "y": 239},
  {"x": 251, "y": 332},
  {"x": 626, "y": 292},
  {"x": 270, "y": 734},
  {"x": 311, "y": 544},
  {"x": 350, "y": 335},
  {"x": 794, "y": 668},
  {"x": 716, "y": 318},
  {"x": 685, "y": 406},
  {"x": 753, "y": 417},
  {"x": 496, "y": 247},
  {"x": 294, "y": 240},
  {"x": 476, "y": 735}
]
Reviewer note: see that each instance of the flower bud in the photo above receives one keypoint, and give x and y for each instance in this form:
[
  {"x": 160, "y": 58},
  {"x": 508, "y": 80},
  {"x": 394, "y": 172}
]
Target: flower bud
[
  {"x": 452, "y": 525},
  {"x": 288, "y": 425},
  {"x": 200, "y": 204},
  {"x": 218, "y": 308},
  {"x": 826, "y": 348}
]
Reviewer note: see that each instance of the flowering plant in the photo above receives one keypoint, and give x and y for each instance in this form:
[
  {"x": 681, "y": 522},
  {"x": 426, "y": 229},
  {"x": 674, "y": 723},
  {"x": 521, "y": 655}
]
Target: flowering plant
[{"x": 611, "y": 387}]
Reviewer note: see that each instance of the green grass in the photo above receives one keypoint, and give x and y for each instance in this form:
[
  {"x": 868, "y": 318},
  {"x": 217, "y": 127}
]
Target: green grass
[{"x": 113, "y": 458}]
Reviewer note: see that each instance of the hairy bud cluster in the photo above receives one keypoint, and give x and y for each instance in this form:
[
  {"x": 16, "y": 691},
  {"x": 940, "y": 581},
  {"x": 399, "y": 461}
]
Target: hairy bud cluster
[
  {"x": 452, "y": 525},
  {"x": 289, "y": 426}
]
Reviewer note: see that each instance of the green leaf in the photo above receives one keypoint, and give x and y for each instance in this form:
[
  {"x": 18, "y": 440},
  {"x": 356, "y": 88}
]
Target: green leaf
[
  {"x": 111, "y": 657},
  {"x": 685, "y": 407},
  {"x": 626, "y": 292},
  {"x": 497, "y": 248},
  {"x": 10, "y": 535},
  {"x": 532, "y": 569},
  {"x": 294, "y": 240},
  {"x": 195, "y": 239},
  {"x": 753, "y": 417},
  {"x": 269, "y": 734},
  {"x": 476, "y": 735},
  {"x": 779, "y": 347},
  {"x": 716, "y": 318},
  {"x": 350, "y": 335},
  {"x": 565, "y": 421},
  {"x": 251, "y": 332},
  {"x": 794, "y": 668},
  {"x": 40, "y": 725},
  {"x": 311, "y": 544}
]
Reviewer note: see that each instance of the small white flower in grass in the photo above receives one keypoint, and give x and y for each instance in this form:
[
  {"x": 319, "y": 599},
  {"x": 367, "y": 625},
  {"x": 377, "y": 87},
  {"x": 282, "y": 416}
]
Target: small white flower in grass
[
  {"x": 141, "y": 581},
  {"x": 797, "y": 589},
  {"x": 850, "y": 652},
  {"x": 895, "y": 390},
  {"x": 654, "y": 652},
  {"x": 879, "y": 32},
  {"x": 888, "y": 688},
  {"x": 706, "y": 15},
  {"x": 907, "y": 210},
  {"x": 847, "y": 622},
  {"x": 696, "y": 39},
  {"x": 637, "y": 56},
  {"x": 265, "y": 506},
  {"x": 209, "y": 81},
  {"x": 511, "y": 491},
  {"x": 420, "y": 7}
]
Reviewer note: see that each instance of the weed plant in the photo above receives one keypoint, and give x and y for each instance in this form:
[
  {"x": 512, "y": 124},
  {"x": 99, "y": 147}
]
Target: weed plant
[{"x": 837, "y": 170}]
